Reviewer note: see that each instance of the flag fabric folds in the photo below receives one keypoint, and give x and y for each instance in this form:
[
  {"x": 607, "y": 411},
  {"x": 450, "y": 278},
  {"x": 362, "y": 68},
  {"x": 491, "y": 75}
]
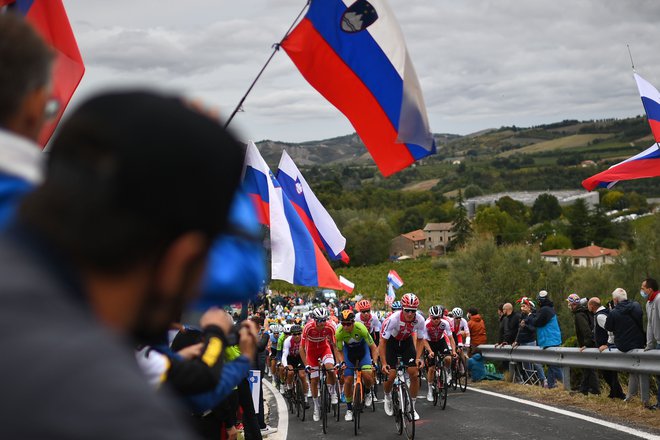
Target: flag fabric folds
[
  {"x": 319, "y": 223},
  {"x": 651, "y": 101},
  {"x": 50, "y": 20},
  {"x": 295, "y": 258},
  {"x": 354, "y": 54},
  {"x": 642, "y": 165},
  {"x": 346, "y": 285},
  {"x": 394, "y": 279},
  {"x": 390, "y": 296}
]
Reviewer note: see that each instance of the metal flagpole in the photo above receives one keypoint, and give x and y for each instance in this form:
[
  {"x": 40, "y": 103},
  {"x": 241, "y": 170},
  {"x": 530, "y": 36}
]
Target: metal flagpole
[
  {"x": 631, "y": 59},
  {"x": 276, "y": 47}
]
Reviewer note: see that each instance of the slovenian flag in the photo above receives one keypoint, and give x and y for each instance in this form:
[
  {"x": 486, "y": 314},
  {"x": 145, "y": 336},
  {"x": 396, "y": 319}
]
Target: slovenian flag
[
  {"x": 50, "y": 20},
  {"x": 643, "y": 165},
  {"x": 394, "y": 279},
  {"x": 295, "y": 258},
  {"x": 346, "y": 285},
  {"x": 319, "y": 223},
  {"x": 390, "y": 296},
  {"x": 354, "y": 54},
  {"x": 651, "y": 101}
]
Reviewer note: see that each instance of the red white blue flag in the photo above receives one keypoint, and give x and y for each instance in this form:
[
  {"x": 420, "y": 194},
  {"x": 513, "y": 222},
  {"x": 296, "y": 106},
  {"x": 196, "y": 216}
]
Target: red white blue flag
[
  {"x": 645, "y": 164},
  {"x": 354, "y": 54},
  {"x": 50, "y": 20},
  {"x": 394, "y": 279},
  {"x": 295, "y": 258},
  {"x": 319, "y": 223},
  {"x": 651, "y": 101}
]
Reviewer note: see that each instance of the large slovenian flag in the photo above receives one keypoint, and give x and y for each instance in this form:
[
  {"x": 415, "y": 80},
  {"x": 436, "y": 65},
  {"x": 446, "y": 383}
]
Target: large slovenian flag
[
  {"x": 643, "y": 165},
  {"x": 354, "y": 54},
  {"x": 50, "y": 20},
  {"x": 295, "y": 258},
  {"x": 651, "y": 101},
  {"x": 319, "y": 223}
]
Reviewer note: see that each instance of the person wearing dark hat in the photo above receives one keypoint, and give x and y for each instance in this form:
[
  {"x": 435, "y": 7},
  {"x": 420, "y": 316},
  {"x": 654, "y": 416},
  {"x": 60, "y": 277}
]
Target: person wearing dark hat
[
  {"x": 548, "y": 333},
  {"x": 584, "y": 334},
  {"x": 109, "y": 249}
]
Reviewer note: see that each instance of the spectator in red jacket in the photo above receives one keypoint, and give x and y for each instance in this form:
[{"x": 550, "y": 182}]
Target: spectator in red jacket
[{"x": 477, "y": 328}]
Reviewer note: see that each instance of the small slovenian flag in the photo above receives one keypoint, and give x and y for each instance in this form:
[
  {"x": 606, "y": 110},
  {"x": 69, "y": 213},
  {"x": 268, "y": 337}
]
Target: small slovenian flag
[
  {"x": 354, "y": 54},
  {"x": 651, "y": 101},
  {"x": 390, "y": 296},
  {"x": 346, "y": 284},
  {"x": 394, "y": 279}
]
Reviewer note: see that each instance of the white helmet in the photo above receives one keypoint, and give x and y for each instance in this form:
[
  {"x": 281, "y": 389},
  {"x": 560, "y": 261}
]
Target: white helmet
[
  {"x": 320, "y": 313},
  {"x": 287, "y": 328},
  {"x": 275, "y": 328},
  {"x": 457, "y": 312},
  {"x": 436, "y": 311}
]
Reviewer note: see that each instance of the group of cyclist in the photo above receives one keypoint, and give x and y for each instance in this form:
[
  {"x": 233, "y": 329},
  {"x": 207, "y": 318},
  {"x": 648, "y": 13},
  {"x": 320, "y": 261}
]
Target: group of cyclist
[{"x": 356, "y": 339}]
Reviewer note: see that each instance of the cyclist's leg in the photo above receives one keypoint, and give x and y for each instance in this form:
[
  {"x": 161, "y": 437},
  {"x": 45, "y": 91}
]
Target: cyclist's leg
[
  {"x": 348, "y": 374},
  {"x": 391, "y": 351},
  {"x": 365, "y": 366}
]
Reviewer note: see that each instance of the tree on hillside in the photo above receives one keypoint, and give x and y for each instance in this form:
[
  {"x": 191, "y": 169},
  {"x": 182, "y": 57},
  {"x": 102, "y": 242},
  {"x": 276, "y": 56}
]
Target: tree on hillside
[
  {"x": 546, "y": 207},
  {"x": 578, "y": 217},
  {"x": 411, "y": 220},
  {"x": 368, "y": 241},
  {"x": 517, "y": 210},
  {"x": 461, "y": 227},
  {"x": 556, "y": 241}
]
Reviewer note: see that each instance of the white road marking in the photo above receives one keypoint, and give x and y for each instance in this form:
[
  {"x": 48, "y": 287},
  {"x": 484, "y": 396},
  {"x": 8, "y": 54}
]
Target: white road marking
[{"x": 282, "y": 414}]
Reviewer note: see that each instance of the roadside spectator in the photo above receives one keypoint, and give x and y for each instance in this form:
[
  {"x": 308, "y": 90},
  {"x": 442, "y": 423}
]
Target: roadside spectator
[
  {"x": 25, "y": 82},
  {"x": 477, "y": 328},
  {"x": 625, "y": 321},
  {"x": 502, "y": 321},
  {"x": 260, "y": 363},
  {"x": 548, "y": 333},
  {"x": 584, "y": 333},
  {"x": 605, "y": 341},
  {"x": 527, "y": 335},
  {"x": 509, "y": 324},
  {"x": 649, "y": 291},
  {"x": 110, "y": 246}
]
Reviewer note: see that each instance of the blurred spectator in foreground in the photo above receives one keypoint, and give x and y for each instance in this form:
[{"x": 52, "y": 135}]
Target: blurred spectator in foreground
[{"x": 109, "y": 247}]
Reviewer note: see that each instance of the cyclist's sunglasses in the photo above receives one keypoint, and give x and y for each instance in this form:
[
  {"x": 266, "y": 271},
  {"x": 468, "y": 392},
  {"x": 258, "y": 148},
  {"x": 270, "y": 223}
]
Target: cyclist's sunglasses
[
  {"x": 366, "y": 311},
  {"x": 320, "y": 320},
  {"x": 297, "y": 333},
  {"x": 435, "y": 318},
  {"x": 410, "y": 310},
  {"x": 347, "y": 323}
]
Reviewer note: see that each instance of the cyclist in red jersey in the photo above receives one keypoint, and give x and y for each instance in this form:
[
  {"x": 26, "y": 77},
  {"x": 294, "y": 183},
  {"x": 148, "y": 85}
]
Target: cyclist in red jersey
[
  {"x": 439, "y": 341},
  {"x": 318, "y": 338}
]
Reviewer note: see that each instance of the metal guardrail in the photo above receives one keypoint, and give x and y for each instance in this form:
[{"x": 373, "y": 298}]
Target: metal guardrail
[{"x": 634, "y": 361}]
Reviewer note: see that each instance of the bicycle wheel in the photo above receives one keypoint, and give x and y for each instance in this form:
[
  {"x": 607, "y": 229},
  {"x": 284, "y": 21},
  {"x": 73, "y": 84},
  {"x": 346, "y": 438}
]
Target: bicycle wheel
[
  {"x": 462, "y": 374},
  {"x": 300, "y": 397},
  {"x": 357, "y": 406},
  {"x": 408, "y": 413},
  {"x": 325, "y": 403},
  {"x": 454, "y": 373},
  {"x": 373, "y": 398},
  {"x": 434, "y": 385},
  {"x": 441, "y": 385},
  {"x": 396, "y": 406}
]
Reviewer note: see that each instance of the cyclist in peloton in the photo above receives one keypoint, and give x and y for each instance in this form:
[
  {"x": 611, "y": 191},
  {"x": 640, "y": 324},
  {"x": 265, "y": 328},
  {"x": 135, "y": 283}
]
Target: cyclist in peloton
[
  {"x": 355, "y": 343},
  {"x": 272, "y": 356},
  {"x": 396, "y": 306},
  {"x": 460, "y": 330},
  {"x": 286, "y": 332},
  {"x": 439, "y": 341},
  {"x": 291, "y": 359},
  {"x": 318, "y": 338},
  {"x": 403, "y": 334},
  {"x": 370, "y": 320}
]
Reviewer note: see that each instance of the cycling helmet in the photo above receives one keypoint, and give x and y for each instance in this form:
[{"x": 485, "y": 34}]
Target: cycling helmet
[
  {"x": 347, "y": 315},
  {"x": 363, "y": 305},
  {"x": 435, "y": 311},
  {"x": 275, "y": 328},
  {"x": 287, "y": 328},
  {"x": 396, "y": 305},
  {"x": 296, "y": 329},
  {"x": 457, "y": 312},
  {"x": 410, "y": 301},
  {"x": 320, "y": 313}
]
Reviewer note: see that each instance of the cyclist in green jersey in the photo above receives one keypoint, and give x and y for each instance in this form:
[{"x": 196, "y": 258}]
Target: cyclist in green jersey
[{"x": 354, "y": 343}]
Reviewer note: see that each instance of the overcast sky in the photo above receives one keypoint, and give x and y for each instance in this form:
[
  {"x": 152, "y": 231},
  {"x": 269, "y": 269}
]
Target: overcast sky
[{"x": 481, "y": 63}]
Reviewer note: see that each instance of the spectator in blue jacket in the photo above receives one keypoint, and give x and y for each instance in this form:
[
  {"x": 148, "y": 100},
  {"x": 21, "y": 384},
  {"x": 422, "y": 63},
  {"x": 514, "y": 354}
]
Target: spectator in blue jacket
[{"x": 547, "y": 333}]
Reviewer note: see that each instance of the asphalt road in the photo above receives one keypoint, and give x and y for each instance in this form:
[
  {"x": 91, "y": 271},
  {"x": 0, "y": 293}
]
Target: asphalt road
[{"x": 470, "y": 415}]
